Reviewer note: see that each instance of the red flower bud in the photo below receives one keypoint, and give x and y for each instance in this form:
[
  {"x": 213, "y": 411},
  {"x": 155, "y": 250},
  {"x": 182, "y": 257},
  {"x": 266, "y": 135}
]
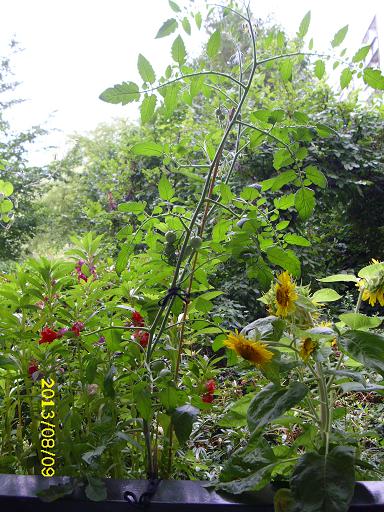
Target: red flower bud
[
  {"x": 207, "y": 398},
  {"x": 47, "y": 335},
  {"x": 210, "y": 386}
]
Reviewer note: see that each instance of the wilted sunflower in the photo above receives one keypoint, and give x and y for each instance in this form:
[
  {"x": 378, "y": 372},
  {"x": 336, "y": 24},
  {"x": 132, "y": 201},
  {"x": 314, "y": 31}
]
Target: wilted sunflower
[
  {"x": 307, "y": 347},
  {"x": 285, "y": 294},
  {"x": 253, "y": 351}
]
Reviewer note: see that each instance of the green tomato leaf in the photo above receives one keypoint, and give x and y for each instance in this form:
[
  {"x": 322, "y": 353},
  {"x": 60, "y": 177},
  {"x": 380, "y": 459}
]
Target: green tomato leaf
[
  {"x": 147, "y": 108},
  {"x": 361, "y": 54},
  {"x": 167, "y": 28},
  {"x": 142, "y": 400},
  {"x": 304, "y": 25},
  {"x": 122, "y": 258},
  {"x": 297, "y": 240},
  {"x": 285, "y": 67},
  {"x": 198, "y": 20},
  {"x": 213, "y": 45},
  {"x": 319, "y": 69},
  {"x": 345, "y": 78},
  {"x": 316, "y": 176},
  {"x": 145, "y": 69},
  {"x": 374, "y": 78},
  {"x": 305, "y": 202},
  {"x": 285, "y": 258},
  {"x": 178, "y": 50},
  {"x": 147, "y": 149},
  {"x": 339, "y": 36},
  {"x": 166, "y": 191},
  {"x": 186, "y": 26},
  {"x": 121, "y": 93},
  {"x": 174, "y": 6},
  {"x": 325, "y": 483},
  {"x": 135, "y": 207}
]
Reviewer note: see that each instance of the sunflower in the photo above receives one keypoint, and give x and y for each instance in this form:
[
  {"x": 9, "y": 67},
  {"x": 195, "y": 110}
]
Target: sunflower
[
  {"x": 373, "y": 290},
  {"x": 253, "y": 351},
  {"x": 307, "y": 347},
  {"x": 285, "y": 295}
]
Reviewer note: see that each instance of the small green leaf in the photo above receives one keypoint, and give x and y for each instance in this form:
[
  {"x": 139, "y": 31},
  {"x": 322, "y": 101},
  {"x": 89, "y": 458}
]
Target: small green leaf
[
  {"x": 142, "y": 398},
  {"x": 339, "y": 36},
  {"x": 319, "y": 69},
  {"x": 96, "y": 489},
  {"x": 345, "y": 78},
  {"x": 167, "y": 28},
  {"x": 281, "y": 158},
  {"x": 186, "y": 26},
  {"x": 121, "y": 93},
  {"x": 122, "y": 258},
  {"x": 145, "y": 69},
  {"x": 374, "y": 78},
  {"x": 304, "y": 25},
  {"x": 178, "y": 50},
  {"x": 132, "y": 207},
  {"x": 183, "y": 418},
  {"x": 166, "y": 191},
  {"x": 316, "y": 176},
  {"x": 147, "y": 149},
  {"x": 174, "y": 6},
  {"x": 297, "y": 240},
  {"x": 361, "y": 54},
  {"x": 325, "y": 295},
  {"x": 198, "y": 20},
  {"x": 170, "y": 99},
  {"x": 305, "y": 202},
  {"x": 6, "y": 188},
  {"x": 213, "y": 45}
]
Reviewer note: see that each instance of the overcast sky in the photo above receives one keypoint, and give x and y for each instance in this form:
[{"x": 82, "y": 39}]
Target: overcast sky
[{"x": 74, "y": 49}]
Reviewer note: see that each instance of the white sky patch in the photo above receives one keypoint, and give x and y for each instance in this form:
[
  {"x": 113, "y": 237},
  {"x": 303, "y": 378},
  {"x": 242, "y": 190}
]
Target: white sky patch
[{"x": 74, "y": 49}]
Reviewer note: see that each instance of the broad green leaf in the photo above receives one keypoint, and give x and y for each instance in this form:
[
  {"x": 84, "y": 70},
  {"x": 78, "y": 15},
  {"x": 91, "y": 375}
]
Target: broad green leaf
[
  {"x": 371, "y": 270},
  {"x": 213, "y": 45},
  {"x": 167, "y": 28},
  {"x": 325, "y": 295},
  {"x": 147, "y": 149},
  {"x": 54, "y": 492},
  {"x": 325, "y": 483},
  {"x": 147, "y": 108},
  {"x": 339, "y": 36},
  {"x": 280, "y": 226},
  {"x": 319, "y": 69},
  {"x": 345, "y": 78},
  {"x": 109, "y": 390},
  {"x": 374, "y": 78},
  {"x": 361, "y": 54},
  {"x": 285, "y": 67},
  {"x": 237, "y": 414},
  {"x": 304, "y": 25},
  {"x": 305, "y": 202},
  {"x": 365, "y": 347},
  {"x": 121, "y": 93},
  {"x": 132, "y": 207},
  {"x": 286, "y": 259},
  {"x": 6, "y": 206},
  {"x": 166, "y": 191},
  {"x": 359, "y": 321},
  {"x": 249, "y": 468},
  {"x": 178, "y": 50},
  {"x": 186, "y": 26},
  {"x": 145, "y": 69},
  {"x": 174, "y": 6},
  {"x": 96, "y": 489},
  {"x": 339, "y": 278},
  {"x": 272, "y": 401},
  {"x": 297, "y": 240},
  {"x": 183, "y": 418},
  {"x": 142, "y": 400},
  {"x": 316, "y": 176}
]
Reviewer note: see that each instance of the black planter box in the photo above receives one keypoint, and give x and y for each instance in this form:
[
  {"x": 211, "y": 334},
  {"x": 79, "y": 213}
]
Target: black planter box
[{"x": 18, "y": 493}]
